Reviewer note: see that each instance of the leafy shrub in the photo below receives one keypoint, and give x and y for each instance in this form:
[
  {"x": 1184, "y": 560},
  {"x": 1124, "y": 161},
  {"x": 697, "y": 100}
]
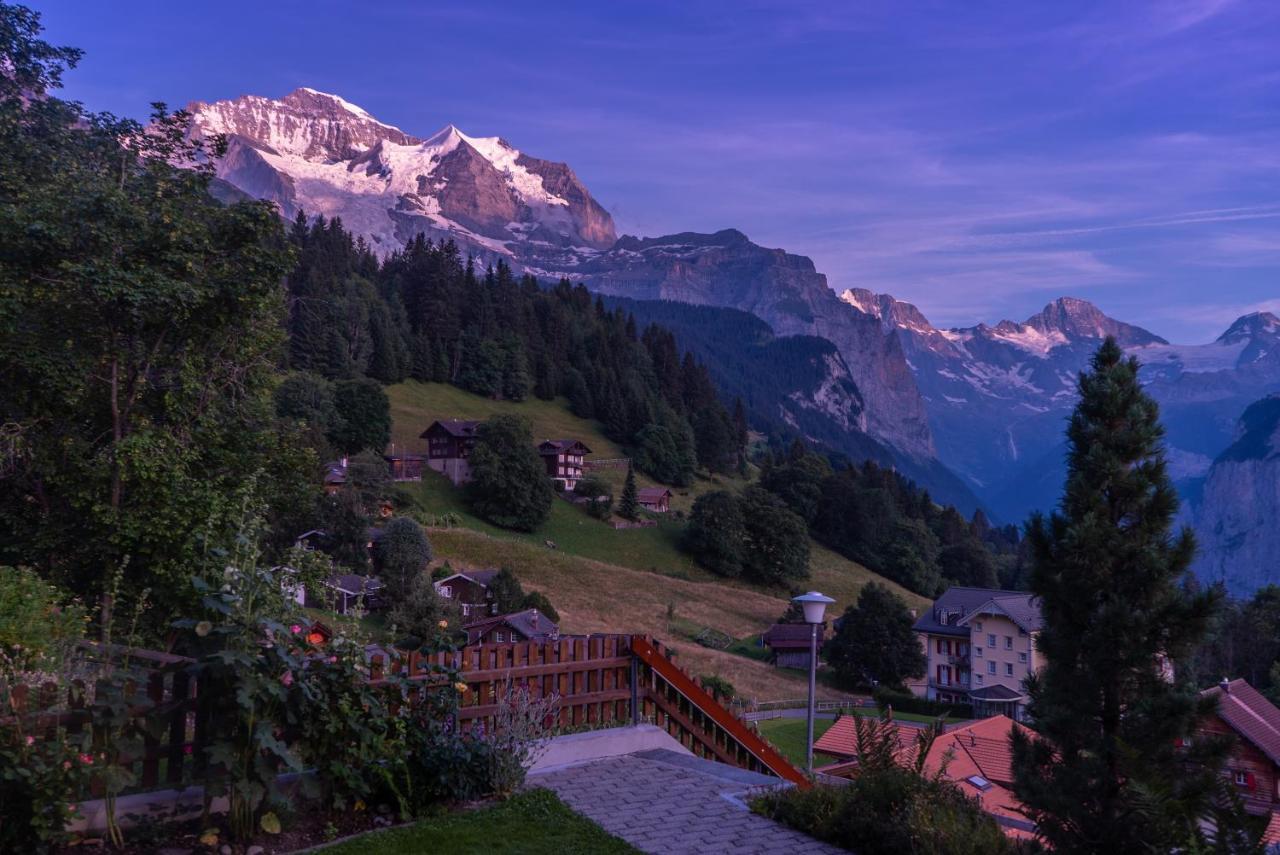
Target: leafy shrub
[
  {"x": 720, "y": 688},
  {"x": 907, "y": 702},
  {"x": 34, "y": 616},
  {"x": 40, "y": 771},
  {"x": 890, "y": 806}
]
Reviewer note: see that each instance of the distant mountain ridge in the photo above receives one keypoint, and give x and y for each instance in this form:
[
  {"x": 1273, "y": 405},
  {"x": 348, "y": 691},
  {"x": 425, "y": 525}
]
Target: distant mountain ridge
[
  {"x": 986, "y": 402},
  {"x": 998, "y": 396}
]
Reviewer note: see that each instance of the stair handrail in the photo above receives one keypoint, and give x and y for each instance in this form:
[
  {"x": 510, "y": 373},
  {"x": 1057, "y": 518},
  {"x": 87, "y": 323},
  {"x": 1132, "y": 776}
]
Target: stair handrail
[{"x": 675, "y": 676}]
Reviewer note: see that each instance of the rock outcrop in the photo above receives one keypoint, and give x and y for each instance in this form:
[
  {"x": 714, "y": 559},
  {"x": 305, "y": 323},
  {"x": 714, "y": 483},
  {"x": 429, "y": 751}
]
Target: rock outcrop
[{"x": 1235, "y": 518}]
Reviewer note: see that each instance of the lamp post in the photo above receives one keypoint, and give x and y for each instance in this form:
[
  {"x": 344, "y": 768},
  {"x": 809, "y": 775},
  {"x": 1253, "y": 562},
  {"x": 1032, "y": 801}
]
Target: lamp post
[{"x": 814, "y": 606}]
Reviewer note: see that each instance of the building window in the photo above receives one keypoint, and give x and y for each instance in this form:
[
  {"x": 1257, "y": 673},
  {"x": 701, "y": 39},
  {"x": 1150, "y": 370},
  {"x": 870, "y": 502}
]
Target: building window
[
  {"x": 466, "y": 609},
  {"x": 1008, "y": 642},
  {"x": 1008, "y": 669},
  {"x": 991, "y": 641},
  {"x": 991, "y": 668},
  {"x": 1242, "y": 778},
  {"x": 977, "y": 624},
  {"x": 499, "y": 636},
  {"x": 977, "y": 679},
  {"x": 977, "y": 651},
  {"x": 1022, "y": 657},
  {"x": 446, "y": 591},
  {"x": 939, "y": 646}
]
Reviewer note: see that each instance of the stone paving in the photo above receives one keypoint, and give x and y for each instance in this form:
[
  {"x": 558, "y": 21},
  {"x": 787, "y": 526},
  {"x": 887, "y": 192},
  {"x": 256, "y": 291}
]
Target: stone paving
[{"x": 664, "y": 802}]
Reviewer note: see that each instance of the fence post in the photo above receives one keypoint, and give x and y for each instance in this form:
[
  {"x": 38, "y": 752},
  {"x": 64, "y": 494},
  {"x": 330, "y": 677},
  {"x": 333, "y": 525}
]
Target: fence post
[{"x": 635, "y": 690}]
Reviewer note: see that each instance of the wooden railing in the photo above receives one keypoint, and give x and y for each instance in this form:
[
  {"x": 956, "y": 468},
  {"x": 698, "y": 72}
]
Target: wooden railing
[
  {"x": 699, "y": 721},
  {"x": 598, "y": 681}
]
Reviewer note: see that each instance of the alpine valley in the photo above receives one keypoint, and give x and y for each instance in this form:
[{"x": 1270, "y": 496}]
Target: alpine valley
[{"x": 975, "y": 414}]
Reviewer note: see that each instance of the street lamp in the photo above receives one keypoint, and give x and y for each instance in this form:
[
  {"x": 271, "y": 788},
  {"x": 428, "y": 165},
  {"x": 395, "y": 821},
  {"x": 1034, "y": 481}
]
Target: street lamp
[{"x": 814, "y": 606}]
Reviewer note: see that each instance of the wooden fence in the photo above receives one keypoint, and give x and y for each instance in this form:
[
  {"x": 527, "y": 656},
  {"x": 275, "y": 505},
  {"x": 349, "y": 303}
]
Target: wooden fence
[{"x": 598, "y": 680}]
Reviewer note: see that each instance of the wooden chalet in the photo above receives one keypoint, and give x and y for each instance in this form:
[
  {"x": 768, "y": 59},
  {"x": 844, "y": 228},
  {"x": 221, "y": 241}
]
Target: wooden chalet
[
  {"x": 335, "y": 476},
  {"x": 564, "y": 459},
  {"x": 790, "y": 644},
  {"x": 1254, "y": 763},
  {"x": 405, "y": 467},
  {"x": 527, "y": 625},
  {"x": 470, "y": 590},
  {"x": 654, "y": 499},
  {"x": 449, "y": 444},
  {"x": 345, "y": 590}
]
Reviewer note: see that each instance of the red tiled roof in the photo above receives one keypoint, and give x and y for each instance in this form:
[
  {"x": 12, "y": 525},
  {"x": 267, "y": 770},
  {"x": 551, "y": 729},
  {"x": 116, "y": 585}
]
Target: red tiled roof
[
  {"x": 1251, "y": 715},
  {"x": 979, "y": 749},
  {"x": 1272, "y": 834}
]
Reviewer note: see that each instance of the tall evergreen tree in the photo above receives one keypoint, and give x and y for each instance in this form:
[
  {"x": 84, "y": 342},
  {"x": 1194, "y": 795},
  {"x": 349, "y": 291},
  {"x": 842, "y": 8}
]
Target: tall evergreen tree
[
  {"x": 1117, "y": 765},
  {"x": 629, "y": 504}
]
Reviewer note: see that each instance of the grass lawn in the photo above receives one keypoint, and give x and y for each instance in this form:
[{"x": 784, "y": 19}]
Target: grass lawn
[
  {"x": 788, "y": 736},
  {"x": 529, "y": 823}
]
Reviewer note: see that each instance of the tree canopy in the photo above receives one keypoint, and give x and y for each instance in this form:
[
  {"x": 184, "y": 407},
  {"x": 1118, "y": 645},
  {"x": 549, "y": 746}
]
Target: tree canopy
[
  {"x": 875, "y": 642},
  {"x": 509, "y": 485}
]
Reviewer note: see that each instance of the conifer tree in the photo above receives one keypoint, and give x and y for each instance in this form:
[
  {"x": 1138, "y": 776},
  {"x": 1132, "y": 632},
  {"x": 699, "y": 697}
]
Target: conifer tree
[
  {"x": 1117, "y": 765},
  {"x": 629, "y": 504}
]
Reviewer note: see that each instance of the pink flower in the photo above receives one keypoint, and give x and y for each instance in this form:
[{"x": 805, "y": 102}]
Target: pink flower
[
  {"x": 86, "y": 759},
  {"x": 287, "y": 678},
  {"x": 295, "y": 629},
  {"x": 31, "y": 740},
  {"x": 186, "y": 749},
  {"x": 66, "y": 764}
]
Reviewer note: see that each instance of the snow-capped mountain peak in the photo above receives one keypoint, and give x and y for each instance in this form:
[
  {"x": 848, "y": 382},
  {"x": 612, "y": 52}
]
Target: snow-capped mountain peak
[
  {"x": 1070, "y": 318},
  {"x": 317, "y": 152},
  {"x": 1252, "y": 326}
]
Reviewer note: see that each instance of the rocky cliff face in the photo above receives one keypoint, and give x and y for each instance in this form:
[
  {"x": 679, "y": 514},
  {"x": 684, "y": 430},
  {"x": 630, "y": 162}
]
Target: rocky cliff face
[
  {"x": 784, "y": 290},
  {"x": 318, "y": 153},
  {"x": 1235, "y": 519}
]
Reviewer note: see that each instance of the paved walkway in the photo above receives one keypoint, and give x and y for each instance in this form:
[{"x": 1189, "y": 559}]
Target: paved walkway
[{"x": 664, "y": 802}]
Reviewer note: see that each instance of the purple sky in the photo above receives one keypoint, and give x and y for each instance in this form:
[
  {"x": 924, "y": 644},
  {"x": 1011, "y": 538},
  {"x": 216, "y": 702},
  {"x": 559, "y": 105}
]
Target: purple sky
[{"x": 977, "y": 159}]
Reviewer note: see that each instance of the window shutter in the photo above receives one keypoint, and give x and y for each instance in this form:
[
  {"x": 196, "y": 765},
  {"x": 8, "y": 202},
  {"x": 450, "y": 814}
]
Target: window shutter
[{"x": 1250, "y": 781}]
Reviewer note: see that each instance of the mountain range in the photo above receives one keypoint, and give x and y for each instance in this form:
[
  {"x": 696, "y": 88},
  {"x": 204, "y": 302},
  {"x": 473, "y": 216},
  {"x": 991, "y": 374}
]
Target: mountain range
[{"x": 976, "y": 414}]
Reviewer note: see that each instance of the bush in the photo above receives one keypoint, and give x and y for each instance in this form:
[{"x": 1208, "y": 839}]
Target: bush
[
  {"x": 907, "y": 702},
  {"x": 720, "y": 688},
  {"x": 599, "y": 495},
  {"x": 33, "y": 616},
  {"x": 402, "y": 554},
  {"x": 887, "y": 812},
  {"x": 893, "y": 804}
]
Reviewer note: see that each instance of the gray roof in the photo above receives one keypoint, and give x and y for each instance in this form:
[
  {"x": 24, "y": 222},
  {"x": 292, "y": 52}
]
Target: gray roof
[
  {"x": 455, "y": 427},
  {"x": 947, "y": 616},
  {"x": 996, "y": 693},
  {"x": 529, "y": 623},
  {"x": 354, "y": 584},
  {"x": 555, "y": 445},
  {"x": 480, "y": 577}
]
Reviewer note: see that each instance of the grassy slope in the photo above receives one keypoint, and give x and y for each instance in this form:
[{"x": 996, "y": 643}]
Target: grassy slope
[
  {"x": 530, "y": 823},
  {"x": 602, "y": 580}
]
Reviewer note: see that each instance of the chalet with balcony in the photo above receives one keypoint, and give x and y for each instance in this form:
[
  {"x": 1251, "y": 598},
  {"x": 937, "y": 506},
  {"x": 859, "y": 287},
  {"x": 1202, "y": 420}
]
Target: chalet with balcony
[
  {"x": 449, "y": 444},
  {"x": 528, "y": 625},
  {"x": 980, "y": 645},
  {"x": 564, "y": 460},
  {"x": 470, "y": 590}
]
